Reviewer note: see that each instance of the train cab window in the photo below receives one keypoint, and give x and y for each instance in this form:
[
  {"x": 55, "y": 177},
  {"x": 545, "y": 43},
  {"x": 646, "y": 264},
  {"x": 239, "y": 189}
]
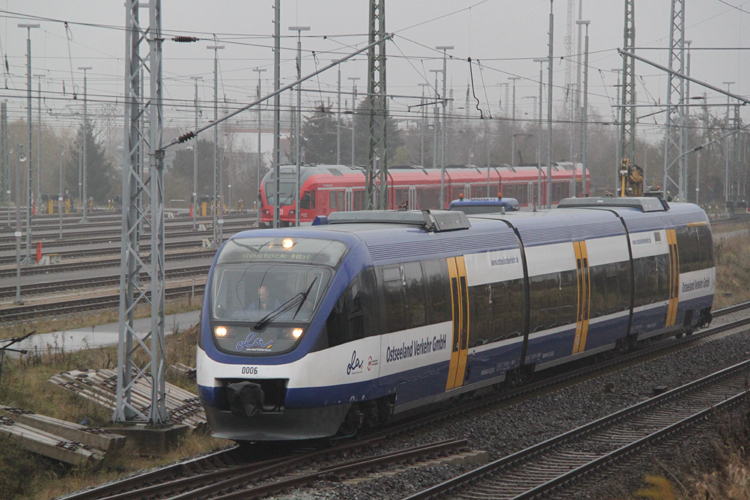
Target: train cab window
[
  {"x": 688, "y": 249},
  {"x": 393, "y": 290},
  {"x": 312, "y": 199},
  {"x": 706, "y": 245},
  {"x": 416, "y": 308},
  {"x": 304, "y": 202},
  {"x": 436, "y": 280}
]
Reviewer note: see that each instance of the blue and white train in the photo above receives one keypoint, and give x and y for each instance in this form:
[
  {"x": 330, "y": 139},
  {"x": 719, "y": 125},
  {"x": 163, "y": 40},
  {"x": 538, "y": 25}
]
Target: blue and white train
[{"x": 315, "y": 331}]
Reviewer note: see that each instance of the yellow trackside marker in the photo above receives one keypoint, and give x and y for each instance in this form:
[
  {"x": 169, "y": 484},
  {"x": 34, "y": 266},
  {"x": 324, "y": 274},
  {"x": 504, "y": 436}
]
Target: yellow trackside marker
[
  {"x": 455, "y": 338},
  {"x": 463, "y": 348}
]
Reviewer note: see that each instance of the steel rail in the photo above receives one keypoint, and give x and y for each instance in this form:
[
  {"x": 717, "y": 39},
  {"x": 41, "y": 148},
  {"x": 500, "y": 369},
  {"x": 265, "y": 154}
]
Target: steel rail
[
  {"x": 231, "y": 462},
  {"x": 105, "y": 236},
  {"x": 323, "y": 473},
  {"x": 575, "y": 463},
  {"x": 102, "y": 263},
  {"x": 95, "y": 252},
  {"x": 83, "y": 305},
  {"x": 93, "y": 282}
]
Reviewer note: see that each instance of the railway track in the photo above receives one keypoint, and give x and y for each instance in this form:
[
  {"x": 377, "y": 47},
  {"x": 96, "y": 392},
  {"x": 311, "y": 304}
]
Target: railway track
[
  {"x": 94, "y": 252},
  {"x": 213, "y": 477},
  {"x": 99, "y": 281},
  {"x": 101, "y": 263},
  {"x": 17, "y": 313},
  {"x": 552, "y": 464},
  {"x": 107, "y": 236}
]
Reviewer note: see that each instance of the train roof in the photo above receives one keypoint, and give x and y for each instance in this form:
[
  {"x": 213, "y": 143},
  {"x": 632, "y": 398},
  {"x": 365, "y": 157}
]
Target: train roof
[
  {"x": 401, "y": 236},
  {"x": 342, "y": 174}
]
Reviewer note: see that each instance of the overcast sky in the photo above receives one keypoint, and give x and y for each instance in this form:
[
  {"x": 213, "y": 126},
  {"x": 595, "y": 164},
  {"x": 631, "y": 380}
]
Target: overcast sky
[{"x": 503, "y": 35}]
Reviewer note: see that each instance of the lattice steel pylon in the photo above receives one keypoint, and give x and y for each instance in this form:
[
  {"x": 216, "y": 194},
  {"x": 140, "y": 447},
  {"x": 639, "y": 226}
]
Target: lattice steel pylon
[
  {"x": 376, "y": 177},
  {"x": 673, "y": 137},
  {"x": 627, "y": 111},
  {"x": 735, "y": 179},
  {"x": 133, "y": 291},
  {"x": 4, "y": 155},
  {"x": 571, "y": 90}
]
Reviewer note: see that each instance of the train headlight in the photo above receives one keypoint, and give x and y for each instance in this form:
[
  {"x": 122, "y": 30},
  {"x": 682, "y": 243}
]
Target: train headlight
[
  {"x": 221, "y": 331},
  {"x": 297, "y": 333},
  {"x": 287, "y": 243}
]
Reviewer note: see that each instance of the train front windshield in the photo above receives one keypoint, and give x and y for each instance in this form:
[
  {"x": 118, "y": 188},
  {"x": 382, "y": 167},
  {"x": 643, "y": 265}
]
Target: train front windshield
[
  {"x": 286, "y": 192},
  {"x": 266, "y": 290}
]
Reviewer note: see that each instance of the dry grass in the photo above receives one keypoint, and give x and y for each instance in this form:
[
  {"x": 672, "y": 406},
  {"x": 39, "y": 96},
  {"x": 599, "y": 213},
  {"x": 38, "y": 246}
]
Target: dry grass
[
  {"x": 92, "y": 318},
  {"x": 732, "y": 271},
  {"x": 24, "y": 384}
]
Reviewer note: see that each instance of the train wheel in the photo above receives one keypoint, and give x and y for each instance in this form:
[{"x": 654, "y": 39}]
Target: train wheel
[{"x": 352, "y": 422}]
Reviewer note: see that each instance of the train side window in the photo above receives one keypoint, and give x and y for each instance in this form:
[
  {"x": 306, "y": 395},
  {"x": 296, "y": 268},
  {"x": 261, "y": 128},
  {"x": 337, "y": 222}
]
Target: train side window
[
  {"x": 393, "y": 288},
  {"x": 415, "y": 299},
  {"x": 554, "y": 292},
  {"x": 516, "y": 311},
  {"x": 539, "y": 303},
  {"x": 568, "y": 297},
  {"x": 479, "y": 314},
  {"x": 662, "y": 277},
  {"x": 641, "y": 282},
  {"x": 437, "y": 284},
  {"x": 369, "y": 302},
  {"x": 354, "y": 305},
  {"x": 332, "y": 200},
  {"x": 613, "y": 290},
  {"x": 337, "y": 323},
  {"x": 499, "y": 308},
  {"x": 623, "y": 281},
  {"x": 597, "y": 292},
  {"x": 340, "y": 202}
]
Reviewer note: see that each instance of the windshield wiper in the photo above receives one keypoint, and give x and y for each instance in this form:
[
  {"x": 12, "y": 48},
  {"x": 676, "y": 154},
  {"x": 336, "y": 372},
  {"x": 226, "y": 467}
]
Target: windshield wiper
[
  {"x": 306, "y": 293},
  {"x": 297, "y": 301}
]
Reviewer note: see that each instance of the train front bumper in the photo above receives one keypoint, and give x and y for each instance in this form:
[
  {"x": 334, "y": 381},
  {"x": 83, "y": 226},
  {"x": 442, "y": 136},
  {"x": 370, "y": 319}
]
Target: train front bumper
[{"x": 288, "y": 425}]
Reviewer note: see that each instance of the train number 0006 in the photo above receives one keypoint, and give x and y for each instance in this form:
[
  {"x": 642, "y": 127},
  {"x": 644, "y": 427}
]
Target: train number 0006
[{"x": 249, "y": 370}]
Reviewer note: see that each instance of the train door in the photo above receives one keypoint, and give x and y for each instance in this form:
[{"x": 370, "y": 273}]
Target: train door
[
  {"x": 674, "y": 278},
  {"x": 348, "y": 202},
  {"x": 412, "y": 198},
  {"x": 583, "y": 311},
  {"x": 460, "y": 307}
]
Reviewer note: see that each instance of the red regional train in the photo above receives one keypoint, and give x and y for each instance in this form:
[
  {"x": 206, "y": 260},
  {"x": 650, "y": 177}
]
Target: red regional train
[{"x": 333, "y": 188}]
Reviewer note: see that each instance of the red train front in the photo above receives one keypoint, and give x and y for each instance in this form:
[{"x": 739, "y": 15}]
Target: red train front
[{"x": 331, "y": 188}]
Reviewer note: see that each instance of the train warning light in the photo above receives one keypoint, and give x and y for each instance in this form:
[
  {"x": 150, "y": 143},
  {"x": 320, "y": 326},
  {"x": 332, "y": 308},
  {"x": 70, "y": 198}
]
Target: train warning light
[{"x": 287, "y": 243}]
